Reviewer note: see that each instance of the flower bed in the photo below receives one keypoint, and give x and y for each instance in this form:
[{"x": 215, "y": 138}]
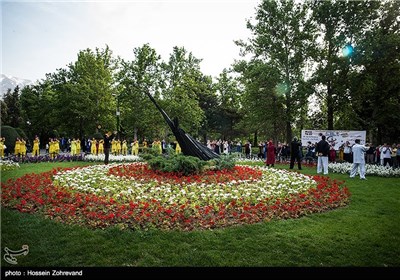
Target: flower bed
[
  {"x": 46, "y": 158},
  {"x": 112, "y": 158},
  {"x": 370, "y": 169},
  {"x": 8, "y": 165},
  {"x": 132, "y": 196}
]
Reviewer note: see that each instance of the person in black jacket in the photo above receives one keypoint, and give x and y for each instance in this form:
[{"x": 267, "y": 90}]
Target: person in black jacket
[
  {"x": 107, "y": 145},
  {"x": 295, "y": 147},
  {"x": 322, "y": 150}
]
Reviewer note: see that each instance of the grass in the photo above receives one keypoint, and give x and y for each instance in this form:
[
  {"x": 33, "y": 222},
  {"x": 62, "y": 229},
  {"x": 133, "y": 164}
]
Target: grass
[{"x": 364, "y": 234}]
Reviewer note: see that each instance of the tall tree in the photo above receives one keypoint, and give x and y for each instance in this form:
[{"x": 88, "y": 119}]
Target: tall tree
[
  {"x": 228, "y": 97},
  {"x": 38, "y": 103},
  {"x": 375, "y": 87},
  {"x": 13, "y": 108},
  {"x": 282, "y": 38},
  {"x": 262, "y": 101},
  {"x": 139, "y": 115},
  {"x": 183, "y": 84},
  {"x": 84, "y": 92},
  {"x": 340, "y": 24}
]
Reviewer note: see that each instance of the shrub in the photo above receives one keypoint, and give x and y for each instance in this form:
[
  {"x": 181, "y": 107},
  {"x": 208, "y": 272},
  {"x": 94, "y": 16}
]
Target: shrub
[
  {"x": 11, "y": 136},
  {"x": 185, "y": 165},
  {"x": 21, "y": 133},
  {"x": 224, "y": 162}
]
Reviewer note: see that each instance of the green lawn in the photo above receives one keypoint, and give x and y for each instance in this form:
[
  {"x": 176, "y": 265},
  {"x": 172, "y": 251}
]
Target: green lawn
[{"x": 364, "y": 234}]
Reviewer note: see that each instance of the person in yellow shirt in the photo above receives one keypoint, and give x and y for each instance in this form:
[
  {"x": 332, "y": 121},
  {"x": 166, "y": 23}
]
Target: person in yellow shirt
[
  {"x": 178, "y": 149},
  {"x": 2, "y": 143},
  {"x": 114, "y": 147},
  {"x": 135, "y": 147},
  {"x": 78, "y": 146},
  {"x": 93, "y": 144},
  {"x": 101, "y": 147},
  {"x": 17, "y": 147},
  {"x": 73, "y": 147},
  {"x": 144, "y": 143},
  {"x": 157, "y": 146},
  {"x": 52, "y": 148},
  {"x": 35, "y": 149},
  {"x": 22, "y": 147},
  {"x": 119, "y": 147},
  {"x": 124, "y": 148},
  {"x": 56, "y": 147}
]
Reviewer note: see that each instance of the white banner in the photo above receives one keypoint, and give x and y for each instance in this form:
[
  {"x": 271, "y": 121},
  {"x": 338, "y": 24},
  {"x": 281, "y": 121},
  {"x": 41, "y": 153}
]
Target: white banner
[{"x": 334, "y": 137}]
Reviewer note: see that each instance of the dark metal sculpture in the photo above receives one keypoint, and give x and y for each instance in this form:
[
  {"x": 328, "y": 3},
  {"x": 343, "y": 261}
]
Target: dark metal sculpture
[{"x": 189, "y": 145}]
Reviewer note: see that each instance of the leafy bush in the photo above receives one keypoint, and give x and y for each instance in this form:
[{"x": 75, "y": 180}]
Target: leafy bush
[
  {"x": 21, "y": 133},
  {"x": 185, "y": 165},
  {"x": 224, "y": 162},
  {"x": 11, "y": 136}
]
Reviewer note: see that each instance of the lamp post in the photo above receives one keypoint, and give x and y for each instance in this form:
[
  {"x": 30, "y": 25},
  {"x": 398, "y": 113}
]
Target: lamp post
[{"x": 118, "y": 114}]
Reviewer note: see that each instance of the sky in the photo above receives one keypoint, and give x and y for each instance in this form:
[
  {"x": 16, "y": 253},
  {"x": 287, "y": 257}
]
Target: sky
[{"x": 39, "y": 37}]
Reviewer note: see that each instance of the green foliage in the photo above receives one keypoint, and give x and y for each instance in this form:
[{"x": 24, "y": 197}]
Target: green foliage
[
  {"x": 294, "y": 53},
  {"x": 97, "y": 135},
  {"x": 185, "y": 165},
  {"x": 364, "y": 234},
  {"x": 21, "y": 133},
  {"x": 283, "y": 38},
  {"x": 223, "y": 162},
  {"x": 83, "y": 92},
  {"x": 11, "y": 136},
  {"x": 13, "y": 108},
  {"x": 135, "y": 77},
  {"x": 182, "y": 83}
]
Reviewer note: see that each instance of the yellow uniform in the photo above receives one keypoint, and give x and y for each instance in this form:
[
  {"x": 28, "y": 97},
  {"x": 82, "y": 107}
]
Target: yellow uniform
[
  {"x": 114, "y": 147},
  {"x": 135, "y": 148},
  {"x": 17, "y": 148},
  {"x": 124, "y": 148},
  {"x": 2, "y": 141},
  {"x": 101, "y": 146},
  {"x": 52, "y": 149},
  {"x": 178, "y": 149},
  {"x": 159, "y": 147},
  {"x": 73, "y": 147},
  {"x": 78, "y": 147},
  {"x": 119, "y": 148},
  {"x": 22, "y": 147},
  {"x": 56, "y": 146},
  {"x": 35, "y": 149},
  {"x": 93, "y": 149}
]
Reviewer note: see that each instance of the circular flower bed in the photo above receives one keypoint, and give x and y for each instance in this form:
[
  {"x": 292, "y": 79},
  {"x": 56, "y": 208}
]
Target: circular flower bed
[{"x": 133, "y": 196}]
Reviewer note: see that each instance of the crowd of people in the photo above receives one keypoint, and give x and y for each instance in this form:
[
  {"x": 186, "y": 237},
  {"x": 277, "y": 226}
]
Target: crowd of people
[
  {"x": 74, "y": 146},
  {"x": 320, "y": 152}
]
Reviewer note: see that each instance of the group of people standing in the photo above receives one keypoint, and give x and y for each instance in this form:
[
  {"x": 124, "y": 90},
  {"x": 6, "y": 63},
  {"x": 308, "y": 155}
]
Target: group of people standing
[
  {"x": 322, "y": 150},
  {"x": 358, "y": 151}
]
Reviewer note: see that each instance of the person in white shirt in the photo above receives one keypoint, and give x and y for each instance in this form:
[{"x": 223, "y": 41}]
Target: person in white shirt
[
  {"x": 386, "y": 155},
  {"x": 359, "y": 159}
]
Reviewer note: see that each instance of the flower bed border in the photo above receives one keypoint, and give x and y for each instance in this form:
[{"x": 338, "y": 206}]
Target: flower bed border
[{"x": 35, "y": 193}]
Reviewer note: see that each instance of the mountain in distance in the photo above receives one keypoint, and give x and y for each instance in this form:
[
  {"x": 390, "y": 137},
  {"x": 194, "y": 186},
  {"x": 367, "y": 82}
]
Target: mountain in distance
[{"x": 10, "y": 82}]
